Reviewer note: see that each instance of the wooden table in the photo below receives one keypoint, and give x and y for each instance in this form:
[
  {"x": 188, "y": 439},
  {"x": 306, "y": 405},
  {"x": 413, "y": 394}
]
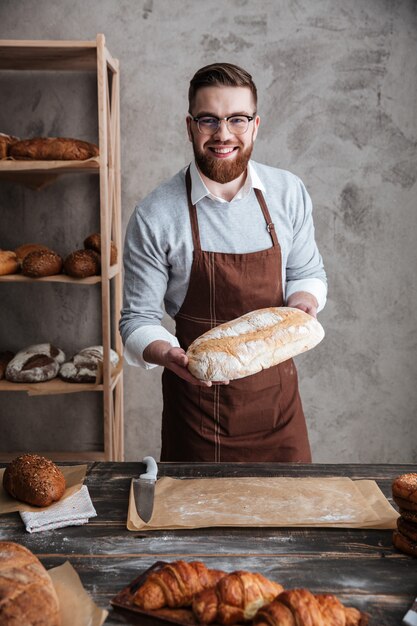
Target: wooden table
[{"x": 360, "y": 566}]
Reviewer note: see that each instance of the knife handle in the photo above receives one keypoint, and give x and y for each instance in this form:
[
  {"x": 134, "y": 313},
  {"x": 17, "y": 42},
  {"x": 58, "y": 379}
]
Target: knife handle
[{"x": 151, "y": 468}]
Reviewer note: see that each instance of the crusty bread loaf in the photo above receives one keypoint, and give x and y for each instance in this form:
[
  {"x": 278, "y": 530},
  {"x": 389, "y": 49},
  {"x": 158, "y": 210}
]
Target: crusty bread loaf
[
  {"x": 5, "y": 142},
  {"x": 53, "y": 149},
  {"x": 28, "y": 597},
  {"x": 82, "y": 263},
  {"x": 9, "y": 263},
  {"x": 252, "y": 342},
  {"x": 86, "y": 366},
  {"x": 41, "y": 263},
  {"x": 35, "y": 364},
  {"x": 93, "y": 242},
  {"x": 34, "y": 479}
]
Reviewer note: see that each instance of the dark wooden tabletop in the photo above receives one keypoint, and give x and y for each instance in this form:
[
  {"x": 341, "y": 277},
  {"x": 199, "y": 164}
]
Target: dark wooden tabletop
[{"x": 360, "y": 566}]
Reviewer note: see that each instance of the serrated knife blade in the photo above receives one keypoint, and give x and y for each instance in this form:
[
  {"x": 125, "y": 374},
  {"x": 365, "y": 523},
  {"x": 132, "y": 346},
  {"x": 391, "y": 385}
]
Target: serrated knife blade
[{"x": 144, "y": 489}]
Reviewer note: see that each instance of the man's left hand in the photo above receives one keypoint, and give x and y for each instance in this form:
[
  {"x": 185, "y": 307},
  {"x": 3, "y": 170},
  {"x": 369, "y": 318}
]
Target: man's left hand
[{"x": 304, "y": 301}]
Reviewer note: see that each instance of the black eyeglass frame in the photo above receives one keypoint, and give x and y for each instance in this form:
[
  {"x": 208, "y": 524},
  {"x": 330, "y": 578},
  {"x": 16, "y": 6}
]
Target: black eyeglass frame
[{"x": 221, "y": 119}]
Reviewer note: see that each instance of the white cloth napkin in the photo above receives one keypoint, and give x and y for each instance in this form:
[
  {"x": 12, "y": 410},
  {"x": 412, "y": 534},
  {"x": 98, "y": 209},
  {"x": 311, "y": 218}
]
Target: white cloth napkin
[{"x": 73, "y": 511}]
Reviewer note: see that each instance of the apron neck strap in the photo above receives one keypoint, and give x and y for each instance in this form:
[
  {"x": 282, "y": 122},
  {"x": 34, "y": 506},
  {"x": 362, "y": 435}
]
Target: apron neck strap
[
  {"x": 193, "y": 212},
  {"x": 269, "y": 224}
]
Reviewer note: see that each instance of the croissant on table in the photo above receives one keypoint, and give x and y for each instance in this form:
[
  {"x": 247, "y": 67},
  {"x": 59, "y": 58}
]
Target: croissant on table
[
  {"x": 175, "y": 584},
  {"x": 235, "y": 598},
  {"x": 299, "y": 607}
]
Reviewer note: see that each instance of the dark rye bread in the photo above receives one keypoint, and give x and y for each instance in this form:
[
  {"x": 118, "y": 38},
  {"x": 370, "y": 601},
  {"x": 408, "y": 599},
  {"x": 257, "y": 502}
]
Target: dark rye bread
[
  {"x": 34, "y": 479},
  {"x": 27, "y": 595},
  {"x": 405, "y": 487}
]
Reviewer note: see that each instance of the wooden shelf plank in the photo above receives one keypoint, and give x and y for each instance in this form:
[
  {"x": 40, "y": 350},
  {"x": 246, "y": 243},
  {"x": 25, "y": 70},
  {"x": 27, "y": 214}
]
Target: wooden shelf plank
[
  {"x": 48, "y": 55},
  {"x": 13, "y": 166},
  {"x": 59, "y": 278}
]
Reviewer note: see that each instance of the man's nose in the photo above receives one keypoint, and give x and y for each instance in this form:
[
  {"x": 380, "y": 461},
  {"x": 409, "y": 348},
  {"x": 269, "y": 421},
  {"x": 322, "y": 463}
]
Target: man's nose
[{"x": 222, "y": 132}]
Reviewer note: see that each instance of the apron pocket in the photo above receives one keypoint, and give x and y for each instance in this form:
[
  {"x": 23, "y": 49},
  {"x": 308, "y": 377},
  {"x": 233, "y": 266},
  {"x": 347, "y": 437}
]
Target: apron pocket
[{"x": 245, "y": 406}]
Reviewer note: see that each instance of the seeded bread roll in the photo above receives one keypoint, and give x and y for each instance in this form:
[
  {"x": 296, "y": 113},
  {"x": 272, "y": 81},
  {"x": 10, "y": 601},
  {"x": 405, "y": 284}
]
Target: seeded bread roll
[
  {"x": 41, "y": 263},
  {"x": 9, "y": 263},
  {"x": 252, "y": 342},
  {"x": 35, "y": 364},
  {"x": 34, "y": 479},
  {"x": 28, "y": 597},
  {"x": 405, "y": 487},
  {"x": 26, "y": 248},
  {"x": 53, "y": 149},
  {"x": 82, "y": 263},
  {"x": 93, "y": 242}
]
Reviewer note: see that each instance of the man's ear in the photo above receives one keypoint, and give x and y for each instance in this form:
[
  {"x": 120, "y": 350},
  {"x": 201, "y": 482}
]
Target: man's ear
[
  {"x": 256, "y": 123},
  {"x": 188, "y": 122}
]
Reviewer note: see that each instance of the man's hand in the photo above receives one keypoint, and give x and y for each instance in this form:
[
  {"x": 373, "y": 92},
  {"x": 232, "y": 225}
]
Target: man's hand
[
  {"x": 174, "y": 359},
  {"x": 304, "y": 301}
]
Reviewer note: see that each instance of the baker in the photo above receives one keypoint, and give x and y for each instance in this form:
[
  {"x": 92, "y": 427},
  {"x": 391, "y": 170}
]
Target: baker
[{"x": 225, "y": 236}]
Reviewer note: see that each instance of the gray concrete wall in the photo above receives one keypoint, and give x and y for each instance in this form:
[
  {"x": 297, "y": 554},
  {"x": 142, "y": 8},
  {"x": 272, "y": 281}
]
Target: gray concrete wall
[{"x": 337, "y": 83}]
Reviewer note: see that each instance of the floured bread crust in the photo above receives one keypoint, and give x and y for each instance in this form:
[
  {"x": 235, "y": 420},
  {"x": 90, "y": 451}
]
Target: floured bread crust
[{"x": 253, "y": 342}]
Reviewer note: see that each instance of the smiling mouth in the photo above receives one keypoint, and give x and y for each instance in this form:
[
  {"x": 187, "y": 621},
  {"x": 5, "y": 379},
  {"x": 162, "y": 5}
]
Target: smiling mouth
[{"x": 223, "y": 151}]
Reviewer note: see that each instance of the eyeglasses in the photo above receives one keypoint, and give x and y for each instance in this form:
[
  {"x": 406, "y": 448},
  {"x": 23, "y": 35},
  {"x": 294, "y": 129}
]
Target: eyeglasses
[{"x": 236, "y": 124}]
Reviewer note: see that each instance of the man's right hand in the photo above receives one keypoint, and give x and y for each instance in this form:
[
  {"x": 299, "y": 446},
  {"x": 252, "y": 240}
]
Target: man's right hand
[{"x": 162, "y": 353}]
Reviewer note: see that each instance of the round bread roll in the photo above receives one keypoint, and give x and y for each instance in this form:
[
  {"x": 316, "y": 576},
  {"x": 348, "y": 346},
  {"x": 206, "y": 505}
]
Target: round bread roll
[
  {"x": 28, "y": 597},
  {"x": 405, "y": 487},
  {"x": 252, "y": 342},
  {"x": 53, "y": 148},
  {"x": 408, "y": 529},
  {"x": 93, "y": 242},
  {"x": 35, "y": 364},
  {"x": 86, "y": 365},
  {"x": 41, "y": 263},
  {"x": 9, "y": 263},
  {"x": 404, "y": 544},
  {"x": 34, "y": 479},
  {"x": 82, "y": 263},
  {"x": 5, "y": 142},
  {"x": 26, "y": 248}
]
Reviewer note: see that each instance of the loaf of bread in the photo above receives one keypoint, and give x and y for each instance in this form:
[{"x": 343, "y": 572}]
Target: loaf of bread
[
  {"x": 35, "y": 364},
  {"x": 26, "y": 248},
  {"x": 5, "y": 142},
  {"x": 27, "y": 597},
  {"x": 53, "y": 149},
  {"x": 41, "y": 263},
  {"x": 93, "y": 242},
  {"x": 9, "y": 263},
  {"x": 86, "y": 366},
  {"x": 252, "y": 342},
  {"x": 82, "y": 263},
  {"x": 5, "y": 358},
  {"x": 34, "y": 479}
]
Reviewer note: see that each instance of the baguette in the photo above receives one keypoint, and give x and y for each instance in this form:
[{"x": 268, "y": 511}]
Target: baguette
[{"x": 252, "y": 342}]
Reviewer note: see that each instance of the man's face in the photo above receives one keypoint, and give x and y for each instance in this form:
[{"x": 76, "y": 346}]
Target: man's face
[{"x": 224, "y": 156}]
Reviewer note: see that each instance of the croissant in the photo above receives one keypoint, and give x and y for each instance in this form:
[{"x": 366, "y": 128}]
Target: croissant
[
  {"x": 175, "y": 584},
  {"x": 299, "y": 607},
  {"x": 235, "y": 598}
]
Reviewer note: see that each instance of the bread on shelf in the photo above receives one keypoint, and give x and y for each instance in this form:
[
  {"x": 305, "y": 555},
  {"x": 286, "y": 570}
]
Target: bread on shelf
[
  {"x": 35, "y": 364},
  {"x": 9, "y": 263},
  {"x": 40, "y": 263},
  {"x": 53, "y": 149},
  {"x": 82, "y": 263}
]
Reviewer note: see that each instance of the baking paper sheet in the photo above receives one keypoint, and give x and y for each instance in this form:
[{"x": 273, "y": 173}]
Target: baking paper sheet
[{"x": 266, "y": 501}]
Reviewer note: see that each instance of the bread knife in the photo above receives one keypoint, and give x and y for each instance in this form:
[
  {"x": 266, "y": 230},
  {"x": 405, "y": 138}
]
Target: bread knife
[{"x": 144, "y": 489}]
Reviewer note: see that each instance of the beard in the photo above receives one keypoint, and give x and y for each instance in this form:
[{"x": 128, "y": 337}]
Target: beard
[{"x": 219, "y": 170}]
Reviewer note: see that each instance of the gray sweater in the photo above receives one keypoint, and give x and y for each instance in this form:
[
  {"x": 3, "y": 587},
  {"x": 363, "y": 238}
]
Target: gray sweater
[{"x": 159, "y": 249}]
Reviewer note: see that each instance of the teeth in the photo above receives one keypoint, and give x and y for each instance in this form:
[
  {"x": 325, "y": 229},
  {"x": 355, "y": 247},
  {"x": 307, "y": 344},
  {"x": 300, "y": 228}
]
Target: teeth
[{"x": 223, "y": 150}]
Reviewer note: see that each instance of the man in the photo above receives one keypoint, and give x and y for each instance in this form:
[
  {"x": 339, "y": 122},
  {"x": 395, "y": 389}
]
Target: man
[{"x": 223, "y": 237}]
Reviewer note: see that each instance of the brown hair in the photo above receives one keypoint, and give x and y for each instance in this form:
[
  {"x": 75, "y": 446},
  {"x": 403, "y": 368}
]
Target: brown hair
[{"x": 220, "y": 75}]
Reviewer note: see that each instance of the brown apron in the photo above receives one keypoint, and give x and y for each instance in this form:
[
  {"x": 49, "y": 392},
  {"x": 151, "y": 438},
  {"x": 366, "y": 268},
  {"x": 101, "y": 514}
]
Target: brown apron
[{"x": 257, "y": 418}]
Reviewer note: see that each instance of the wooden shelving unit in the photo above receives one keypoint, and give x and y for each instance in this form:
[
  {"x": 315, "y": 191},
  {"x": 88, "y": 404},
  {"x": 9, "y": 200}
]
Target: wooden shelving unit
[{"x": 82, "y": 56}]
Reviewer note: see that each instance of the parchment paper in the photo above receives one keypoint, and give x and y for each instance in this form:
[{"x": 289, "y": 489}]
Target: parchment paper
[
  {"x": 74, "y": 478},
  {"x": 265, "y": 501},
  {"x": 77, "y": 608}
]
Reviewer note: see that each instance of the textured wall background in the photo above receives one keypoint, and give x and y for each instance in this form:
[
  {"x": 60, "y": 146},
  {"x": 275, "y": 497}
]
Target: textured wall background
[{"x": 338, "y": 91}]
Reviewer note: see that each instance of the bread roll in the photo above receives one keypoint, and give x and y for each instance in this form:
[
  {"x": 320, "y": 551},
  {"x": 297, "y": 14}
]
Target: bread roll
[
  {"x": 34, "y": 479},
  {"x": 82, "y": 263},
  {"x": 9, "y": 263},
  {"x": 252, "y": 342},
  {"x": 86, "y": 366},
  {"x": 26, "y": 248},
  {"x": 5, "y": 142},
  {"x": 93, "y": 242},
  {"x": 53, "y": 149},
  {"x": 35, "y": 364},
  {"x": 41, "y": 263},
  {"x": 28, "y": 597}
]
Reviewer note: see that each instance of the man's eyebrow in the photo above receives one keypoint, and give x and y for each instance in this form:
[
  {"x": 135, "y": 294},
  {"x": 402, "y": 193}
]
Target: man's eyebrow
[{"x": 208, "y": 114}]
